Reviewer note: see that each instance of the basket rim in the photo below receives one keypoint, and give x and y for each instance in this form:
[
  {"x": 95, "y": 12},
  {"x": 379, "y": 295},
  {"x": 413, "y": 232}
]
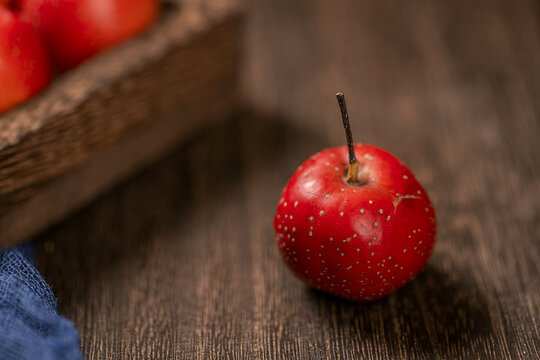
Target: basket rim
[{"x": 180, "y": 21}]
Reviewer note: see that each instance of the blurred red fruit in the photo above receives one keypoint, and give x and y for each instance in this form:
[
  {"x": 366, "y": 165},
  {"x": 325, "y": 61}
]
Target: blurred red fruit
[
  {"x": 24, "y": 66},
  {"x": 74, "y": 30}
]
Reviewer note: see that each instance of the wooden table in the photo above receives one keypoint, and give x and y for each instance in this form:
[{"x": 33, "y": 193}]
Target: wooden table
[{"x": 180, "y": 261}]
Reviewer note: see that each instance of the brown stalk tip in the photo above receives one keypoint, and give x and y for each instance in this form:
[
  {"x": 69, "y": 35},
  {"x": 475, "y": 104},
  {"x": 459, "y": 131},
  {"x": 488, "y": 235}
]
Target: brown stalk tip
[{"x": 352, "y": 171}]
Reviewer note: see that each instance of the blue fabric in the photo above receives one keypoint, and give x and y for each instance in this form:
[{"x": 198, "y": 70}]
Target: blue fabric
[{"x": 30, "y": 327}]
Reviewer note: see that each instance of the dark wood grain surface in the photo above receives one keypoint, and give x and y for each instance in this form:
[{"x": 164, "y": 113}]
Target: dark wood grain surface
[{"x": 180, "y": 261}]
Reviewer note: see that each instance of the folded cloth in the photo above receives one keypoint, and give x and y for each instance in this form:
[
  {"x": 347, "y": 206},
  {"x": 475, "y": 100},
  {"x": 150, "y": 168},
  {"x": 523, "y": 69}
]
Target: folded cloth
[{"x": 30, "y": 327}]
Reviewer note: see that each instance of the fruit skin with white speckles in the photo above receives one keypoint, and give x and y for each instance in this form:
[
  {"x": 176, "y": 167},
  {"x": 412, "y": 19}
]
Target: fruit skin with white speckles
[{"x": 359, "y": 242}]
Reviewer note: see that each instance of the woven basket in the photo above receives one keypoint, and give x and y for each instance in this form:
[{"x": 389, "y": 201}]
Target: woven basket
[{"x": 115, "y": 113}]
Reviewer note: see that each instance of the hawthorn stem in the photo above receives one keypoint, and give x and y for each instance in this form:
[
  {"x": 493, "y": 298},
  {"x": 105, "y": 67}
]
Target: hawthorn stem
[{"x": 352, "y": 171}]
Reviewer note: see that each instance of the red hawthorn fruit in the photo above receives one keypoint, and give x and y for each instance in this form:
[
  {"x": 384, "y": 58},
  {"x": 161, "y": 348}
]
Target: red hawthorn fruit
[
  {"x": 74, "y": 30},
  {"x": 24, "y": 66},
  {"x": 358, "y": 229}
]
